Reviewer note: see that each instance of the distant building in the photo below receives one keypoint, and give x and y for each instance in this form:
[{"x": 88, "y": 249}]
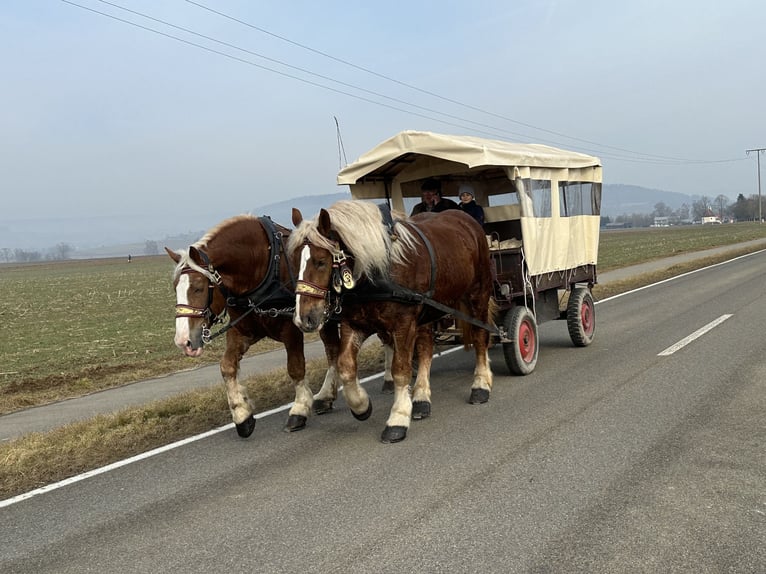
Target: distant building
[
  {"x": 710, "y": 217},
  {"x": 661, "y": 222}
]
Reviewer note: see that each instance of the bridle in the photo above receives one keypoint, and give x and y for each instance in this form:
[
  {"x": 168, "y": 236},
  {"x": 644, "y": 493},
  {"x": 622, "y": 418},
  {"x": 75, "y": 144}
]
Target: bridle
[
  {"x": 342, "y": 278},
  {"x": 269, "y": 289},
  {"x": 184, "y": 311}
]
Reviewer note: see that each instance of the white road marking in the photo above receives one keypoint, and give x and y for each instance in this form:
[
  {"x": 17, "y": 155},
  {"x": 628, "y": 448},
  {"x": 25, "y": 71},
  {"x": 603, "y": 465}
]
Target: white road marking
[{"x": 696, "y": 335}]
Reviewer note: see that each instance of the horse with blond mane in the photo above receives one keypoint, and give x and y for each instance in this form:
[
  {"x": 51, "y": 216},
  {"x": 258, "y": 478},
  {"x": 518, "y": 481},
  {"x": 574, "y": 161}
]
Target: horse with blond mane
[
  {"x": 239, "y": 267},
  {"x": 381, "y": 273}
]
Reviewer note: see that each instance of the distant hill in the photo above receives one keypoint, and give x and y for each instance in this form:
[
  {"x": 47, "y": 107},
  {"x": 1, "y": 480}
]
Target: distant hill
[{"x": 309, "y": 205}]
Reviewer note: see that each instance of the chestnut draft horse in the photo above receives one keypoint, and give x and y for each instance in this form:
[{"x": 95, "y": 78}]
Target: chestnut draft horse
[
  {"x": 239, "y": 267},
  {"x": 383, "y": 273}
]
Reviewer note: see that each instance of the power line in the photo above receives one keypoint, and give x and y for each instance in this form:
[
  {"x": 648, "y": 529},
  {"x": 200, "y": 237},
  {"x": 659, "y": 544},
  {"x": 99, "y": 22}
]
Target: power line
[
  {"x": 434, "y": 94},
  {"x": 444, "y": 98},
  {"x": 486, "y": 129}
]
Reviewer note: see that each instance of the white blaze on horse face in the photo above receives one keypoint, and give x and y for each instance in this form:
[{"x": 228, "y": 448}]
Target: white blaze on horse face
[
  {"x": 305, "y": 256},
  {"x": 183, "y": 333}
]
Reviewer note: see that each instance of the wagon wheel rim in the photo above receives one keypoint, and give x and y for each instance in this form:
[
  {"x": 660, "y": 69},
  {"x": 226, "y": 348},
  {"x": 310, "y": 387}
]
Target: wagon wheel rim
[
  {"x": 586, "y": 318},
  {"x": 527, "y": 342}
]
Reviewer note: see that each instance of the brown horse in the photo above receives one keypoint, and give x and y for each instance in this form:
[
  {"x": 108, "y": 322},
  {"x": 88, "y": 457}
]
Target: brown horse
[
  {"x": 391, "y": 276},
  {"x": 240, "y": 268}
]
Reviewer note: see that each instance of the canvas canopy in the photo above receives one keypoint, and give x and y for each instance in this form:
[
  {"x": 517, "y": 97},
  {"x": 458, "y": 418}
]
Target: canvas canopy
[{"x": 395, "y": 169}]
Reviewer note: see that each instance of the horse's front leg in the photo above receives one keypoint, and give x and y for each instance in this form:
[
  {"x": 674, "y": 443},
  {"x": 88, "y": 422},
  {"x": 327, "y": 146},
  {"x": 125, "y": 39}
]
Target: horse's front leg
[
  {"x": 356, "y": 397},
  {"x": 401, "y": 411},
  {"x": 421, "y": 392},
  {"x": 324, "y": 399},
  {"x": 239, "y": 402},
  {"x": 296, "y": 369}
]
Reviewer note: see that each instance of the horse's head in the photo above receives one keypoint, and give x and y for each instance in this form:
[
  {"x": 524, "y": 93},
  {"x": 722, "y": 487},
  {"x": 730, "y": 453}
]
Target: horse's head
[
  {"x": 198, "y": 302},
  {"x": 316, "y": 261}
]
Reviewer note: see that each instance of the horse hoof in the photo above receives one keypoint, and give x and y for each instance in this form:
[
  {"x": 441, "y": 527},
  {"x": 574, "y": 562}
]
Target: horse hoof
[
  {"x": 421, "y": 410},
  {"x": 295, "y": 423},
  {"x": 246, "y": 427},
  {"x": 393, "y": 434},
  {"x": 365, "y": 415},
  {"x": 387, "y": 388},
  {"x": 479, "y": 396},
  {"x": 321, "y": 407}
]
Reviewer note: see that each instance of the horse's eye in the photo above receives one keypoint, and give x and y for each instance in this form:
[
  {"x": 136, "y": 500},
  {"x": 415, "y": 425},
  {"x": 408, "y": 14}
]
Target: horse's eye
[
  {"x": 320, "y": 263},
  {"x": 198, "y": 290}
]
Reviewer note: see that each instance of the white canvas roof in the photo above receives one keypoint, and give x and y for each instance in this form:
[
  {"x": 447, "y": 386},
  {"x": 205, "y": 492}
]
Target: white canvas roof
[
  {"x": 395, "y": 169},
  {"x": 471, "y": 152}
]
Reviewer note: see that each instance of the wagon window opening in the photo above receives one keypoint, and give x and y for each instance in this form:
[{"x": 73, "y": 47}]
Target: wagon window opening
[
  {"x": 505, "y": 197},
  {"x": 579, "y": 198},
  {"x": 539, "y": 192}
]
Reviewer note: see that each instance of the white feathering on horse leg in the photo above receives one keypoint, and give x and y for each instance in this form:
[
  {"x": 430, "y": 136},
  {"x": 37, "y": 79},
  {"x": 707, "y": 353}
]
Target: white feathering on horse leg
[
  {"x": 239, "y": 402},
  {"x": 356, "y": 397},
  {"x": 482, "y": 375},
  {"x": 329, "y": 390},
  {"x": 303, "y": 399},
  {"x": 401, "y": 410}
]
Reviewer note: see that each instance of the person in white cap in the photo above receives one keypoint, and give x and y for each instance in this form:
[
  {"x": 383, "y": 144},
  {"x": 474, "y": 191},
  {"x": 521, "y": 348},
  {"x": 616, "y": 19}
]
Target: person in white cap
[{"x": 468, "y": 204}]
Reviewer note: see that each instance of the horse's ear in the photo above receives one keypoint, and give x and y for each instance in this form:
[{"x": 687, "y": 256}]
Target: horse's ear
[
  {"x": 195, "y": 256},
  {"x": 323, "y": 223},
  {"x": 297, "y": 217},
  {"x": 173, "y": 255}
]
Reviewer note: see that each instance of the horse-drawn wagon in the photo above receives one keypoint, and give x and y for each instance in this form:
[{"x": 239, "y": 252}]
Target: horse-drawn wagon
[{"x": 541, "y": 207}]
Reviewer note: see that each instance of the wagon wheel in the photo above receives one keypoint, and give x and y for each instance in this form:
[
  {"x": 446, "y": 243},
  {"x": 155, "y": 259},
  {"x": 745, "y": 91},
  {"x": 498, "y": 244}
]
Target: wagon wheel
[
  {"x": 521, "y": 352},
  {"x": 581, "y": 317}
]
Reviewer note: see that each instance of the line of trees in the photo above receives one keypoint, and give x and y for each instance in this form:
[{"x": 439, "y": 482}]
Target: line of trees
[
  {"x": 60, "y": 252},
  {"x": 743, "y": 209}
]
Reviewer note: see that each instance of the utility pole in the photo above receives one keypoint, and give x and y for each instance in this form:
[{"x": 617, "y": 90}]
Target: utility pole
[{"x": 758, "y": 151}]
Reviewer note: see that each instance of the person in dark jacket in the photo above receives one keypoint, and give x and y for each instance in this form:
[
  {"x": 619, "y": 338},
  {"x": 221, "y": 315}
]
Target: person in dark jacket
[
  {"x": 468, "y": 204},
  {"x": 432, "y": 198}
]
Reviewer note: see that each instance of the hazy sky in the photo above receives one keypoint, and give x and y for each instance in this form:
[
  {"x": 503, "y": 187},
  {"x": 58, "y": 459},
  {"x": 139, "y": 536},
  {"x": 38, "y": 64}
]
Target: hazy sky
[{"x": 98, "y": 116}]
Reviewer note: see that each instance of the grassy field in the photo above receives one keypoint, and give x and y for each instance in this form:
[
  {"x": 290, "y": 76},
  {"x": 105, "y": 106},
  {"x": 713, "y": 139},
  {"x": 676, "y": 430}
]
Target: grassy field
[{"x": 78, "y": 326}]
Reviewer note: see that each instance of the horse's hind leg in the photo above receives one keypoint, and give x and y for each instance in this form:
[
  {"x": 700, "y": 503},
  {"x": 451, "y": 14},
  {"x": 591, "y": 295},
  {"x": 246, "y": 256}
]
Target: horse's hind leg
[
  {"x": 388, "y": 378},
  {"x": 326, "y": 396},
  {"x": 239, "y": 402},
  {"x": 421, "y": 392},
  {"x": 482, "y": 374}
]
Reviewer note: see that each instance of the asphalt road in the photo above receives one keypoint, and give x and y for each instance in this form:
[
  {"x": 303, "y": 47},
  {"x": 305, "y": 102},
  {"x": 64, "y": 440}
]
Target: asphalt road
[{"x": 619, "y": 457}]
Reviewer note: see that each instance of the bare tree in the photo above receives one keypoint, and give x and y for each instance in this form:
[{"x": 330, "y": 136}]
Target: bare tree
[
  {"x": 722, "y": 202},
  {"x": 662, "y": 209},
  {"x": 151, "y": 248},
  {"x": 62, "y": 251}
]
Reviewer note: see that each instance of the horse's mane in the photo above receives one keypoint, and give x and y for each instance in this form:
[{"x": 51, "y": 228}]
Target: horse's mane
[
  {"x": 359, "y": 224},
  {"x": 187, "y": 262}
]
